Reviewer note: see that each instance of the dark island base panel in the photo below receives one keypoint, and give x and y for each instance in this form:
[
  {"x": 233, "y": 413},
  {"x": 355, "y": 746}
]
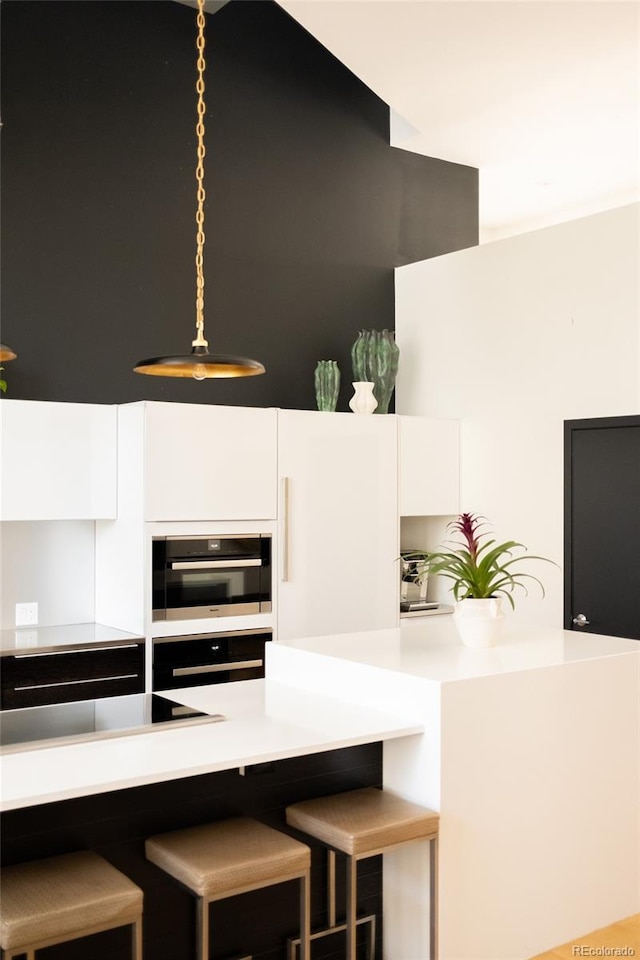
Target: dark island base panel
[{"x": 116, "y": 825}]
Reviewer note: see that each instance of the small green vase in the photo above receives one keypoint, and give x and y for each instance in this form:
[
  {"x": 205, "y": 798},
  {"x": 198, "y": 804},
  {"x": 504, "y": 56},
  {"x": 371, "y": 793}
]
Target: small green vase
[
  {"x": 374, "y": 357},
  {"x": 327, "y": 382}
]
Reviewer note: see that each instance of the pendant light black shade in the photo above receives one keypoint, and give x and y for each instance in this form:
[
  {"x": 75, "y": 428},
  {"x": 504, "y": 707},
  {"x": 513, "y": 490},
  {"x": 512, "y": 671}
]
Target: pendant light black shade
[
  {"x": 200, "y": 364},
  {"x": 6, "y": 353}
]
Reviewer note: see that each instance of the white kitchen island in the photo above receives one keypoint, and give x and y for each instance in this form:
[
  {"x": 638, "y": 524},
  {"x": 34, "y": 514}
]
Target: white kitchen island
[{"x": 531, "y": 753}]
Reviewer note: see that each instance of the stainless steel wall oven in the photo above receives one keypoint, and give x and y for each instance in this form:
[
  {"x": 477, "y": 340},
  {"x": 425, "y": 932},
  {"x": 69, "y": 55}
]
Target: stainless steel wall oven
[
  {"x": 214, "y": 576},
  {"x": 197, "y": 659}
]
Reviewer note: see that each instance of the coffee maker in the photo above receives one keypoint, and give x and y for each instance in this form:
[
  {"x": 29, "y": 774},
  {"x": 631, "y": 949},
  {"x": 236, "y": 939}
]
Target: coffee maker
[{"x": 413, "y": 583}]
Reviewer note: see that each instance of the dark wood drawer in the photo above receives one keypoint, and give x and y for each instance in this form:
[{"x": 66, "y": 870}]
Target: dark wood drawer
[{"x": 31, "y": 680}]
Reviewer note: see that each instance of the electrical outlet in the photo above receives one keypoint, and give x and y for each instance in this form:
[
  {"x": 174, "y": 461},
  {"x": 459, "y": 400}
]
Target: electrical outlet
[{"x": 26, "y": 614}]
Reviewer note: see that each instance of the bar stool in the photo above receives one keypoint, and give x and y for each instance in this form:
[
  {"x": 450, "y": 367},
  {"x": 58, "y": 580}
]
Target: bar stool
[
  {"x": 219, "y": 860},
  {"x": 360, "y": 824},
  {"x": 62, "y": 898}
]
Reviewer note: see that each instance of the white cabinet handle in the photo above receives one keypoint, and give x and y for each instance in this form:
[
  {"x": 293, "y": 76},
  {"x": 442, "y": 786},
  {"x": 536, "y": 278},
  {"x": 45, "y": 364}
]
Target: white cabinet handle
[{"x": 285, "y": 485}]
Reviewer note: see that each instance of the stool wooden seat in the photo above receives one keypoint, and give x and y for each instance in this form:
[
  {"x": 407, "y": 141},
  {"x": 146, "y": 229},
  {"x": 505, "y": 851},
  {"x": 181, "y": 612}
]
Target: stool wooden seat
[
  {"x": 219, "y": 860},
  {"x": 62, "y": 898},
  {"x": 360, "y": 824}
]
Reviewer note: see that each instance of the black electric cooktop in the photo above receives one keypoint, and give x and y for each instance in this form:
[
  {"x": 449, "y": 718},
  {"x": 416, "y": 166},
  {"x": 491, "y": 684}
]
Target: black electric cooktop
[{"x": 86, "y": 720}]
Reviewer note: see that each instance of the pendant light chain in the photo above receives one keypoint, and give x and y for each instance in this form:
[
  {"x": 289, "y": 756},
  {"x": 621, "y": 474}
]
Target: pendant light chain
[
  {"x": 200, "y": 340},
  {"x": 199, "y": 364}
]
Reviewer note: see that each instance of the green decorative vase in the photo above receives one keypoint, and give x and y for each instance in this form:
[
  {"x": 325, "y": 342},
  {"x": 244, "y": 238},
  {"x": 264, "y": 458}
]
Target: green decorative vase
[
  {"x": 327, "y": 382},
  {"x": 374, "y": 357}
]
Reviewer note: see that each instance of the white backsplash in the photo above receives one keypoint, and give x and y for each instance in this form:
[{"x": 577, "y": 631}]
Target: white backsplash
[{"x": 52, "y": 563}]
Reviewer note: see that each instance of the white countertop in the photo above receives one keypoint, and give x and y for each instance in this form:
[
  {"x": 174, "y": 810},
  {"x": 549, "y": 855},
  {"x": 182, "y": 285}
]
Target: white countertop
[
  {"x": 430, "y": 649},
  {"x": 379, "y": 683},
  {"x": 265, "y": 721},
  {"x": 65, "y": 637}
]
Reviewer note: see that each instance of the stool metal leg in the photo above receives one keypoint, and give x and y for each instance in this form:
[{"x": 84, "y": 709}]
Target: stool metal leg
[
  {"x": 371, "y": 949},
  {"x": 202, "y": 929},
  {"x": 331, "y": 887},
  {"x": 295, "y": 945},
  {"x": 136, "y": 940},
  {"x": 352, "y": 870},
  {"x": 305, "y": 916}
]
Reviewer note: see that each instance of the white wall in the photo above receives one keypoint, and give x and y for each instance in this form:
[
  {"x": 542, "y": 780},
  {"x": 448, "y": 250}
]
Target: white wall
[
  {"x": 52, "y": 563},
  {"x": 513, "y": 338}
]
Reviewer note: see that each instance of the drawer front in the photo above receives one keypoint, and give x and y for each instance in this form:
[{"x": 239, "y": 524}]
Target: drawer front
[
  {"x": 213, "y": 658},
  {"x": 35, "y": 679}
]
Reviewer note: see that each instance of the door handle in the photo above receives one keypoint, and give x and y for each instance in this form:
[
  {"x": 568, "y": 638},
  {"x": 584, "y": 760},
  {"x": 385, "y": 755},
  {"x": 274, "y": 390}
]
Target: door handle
[
  {"x": 581, "y": 620},
  {"x": 285, "y": 483}
]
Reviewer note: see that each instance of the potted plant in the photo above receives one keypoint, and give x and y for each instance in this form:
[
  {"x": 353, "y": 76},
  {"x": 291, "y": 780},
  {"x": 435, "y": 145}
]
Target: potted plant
[{"x": 483, "y": 571}]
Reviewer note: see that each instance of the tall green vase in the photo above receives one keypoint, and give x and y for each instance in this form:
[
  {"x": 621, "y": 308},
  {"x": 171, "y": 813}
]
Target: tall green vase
[
  {"x": 374, "y": 357},
  {"x": 327, "y": 384}
]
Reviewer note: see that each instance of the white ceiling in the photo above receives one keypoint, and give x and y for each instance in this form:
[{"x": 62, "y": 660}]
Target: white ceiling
[{"x": 543, "y": 97}]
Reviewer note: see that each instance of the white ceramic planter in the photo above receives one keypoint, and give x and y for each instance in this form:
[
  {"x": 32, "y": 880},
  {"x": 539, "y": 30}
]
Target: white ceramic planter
[
  {"x": 363, "y": 400},
  {"x": 479, "y": 622}
]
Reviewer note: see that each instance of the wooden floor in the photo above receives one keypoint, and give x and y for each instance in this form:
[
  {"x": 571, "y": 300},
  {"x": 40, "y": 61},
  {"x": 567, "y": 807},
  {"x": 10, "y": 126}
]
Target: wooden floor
[{"x": 625, "y": 933}]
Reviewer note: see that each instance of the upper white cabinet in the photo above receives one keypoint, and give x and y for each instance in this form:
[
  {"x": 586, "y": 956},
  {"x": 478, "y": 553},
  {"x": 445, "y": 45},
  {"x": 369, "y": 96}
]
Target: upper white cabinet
[
  {"x": 429, "y": 467},
  {"x": 58, "y": 460},
  {"x": 202, "y": 462},
  {"x": 338, "y": 523}
]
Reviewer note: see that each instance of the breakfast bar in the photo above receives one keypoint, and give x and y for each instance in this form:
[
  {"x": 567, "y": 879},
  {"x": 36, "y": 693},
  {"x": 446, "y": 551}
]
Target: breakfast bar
[{"x": 263, "y": 721}]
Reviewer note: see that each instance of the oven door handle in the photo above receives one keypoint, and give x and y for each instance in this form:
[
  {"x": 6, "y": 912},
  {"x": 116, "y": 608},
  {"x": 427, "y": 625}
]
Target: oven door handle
[
  {"x": 216, "y": 667},
  {"x": 213, "y": 564}
]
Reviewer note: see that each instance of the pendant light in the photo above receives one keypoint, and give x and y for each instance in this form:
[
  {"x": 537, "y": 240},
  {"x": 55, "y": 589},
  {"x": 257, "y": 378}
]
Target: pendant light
[
  {"x": 200, "y": 364},
  {"x": 6, "y": 353}
]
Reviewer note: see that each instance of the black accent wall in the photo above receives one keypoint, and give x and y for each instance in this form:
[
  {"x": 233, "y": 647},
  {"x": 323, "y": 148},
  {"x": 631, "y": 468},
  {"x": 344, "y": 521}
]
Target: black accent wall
[{"x": 309, "y": 209}]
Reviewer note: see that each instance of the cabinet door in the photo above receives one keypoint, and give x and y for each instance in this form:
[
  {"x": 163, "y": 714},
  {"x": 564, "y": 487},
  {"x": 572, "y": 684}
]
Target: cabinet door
[
  {"x": 429, "y": 467},
  {"x": 58, "y": 460},
  {"x": 339, "y": 527},
  {"x": 204, "y": 462}
]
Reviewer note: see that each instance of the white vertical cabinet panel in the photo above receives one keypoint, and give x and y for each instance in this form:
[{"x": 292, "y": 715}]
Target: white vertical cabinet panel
[
  {"x": 209, "y": 462},
  {"x": 429, "y": 467},
  {"x": 339, "y": 537},
  {"x": 58, "y": 460}
]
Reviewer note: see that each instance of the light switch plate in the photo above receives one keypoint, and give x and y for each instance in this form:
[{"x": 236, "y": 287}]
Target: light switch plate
[{"x": 26, "y": 614}]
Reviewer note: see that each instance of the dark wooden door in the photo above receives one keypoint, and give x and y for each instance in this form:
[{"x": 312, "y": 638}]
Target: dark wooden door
[{"x": 602, "y": 526}]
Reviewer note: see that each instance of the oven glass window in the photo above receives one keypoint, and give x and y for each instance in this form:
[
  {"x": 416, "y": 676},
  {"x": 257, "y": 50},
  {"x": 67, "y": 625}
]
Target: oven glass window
[{"x": 199, "y": 585}]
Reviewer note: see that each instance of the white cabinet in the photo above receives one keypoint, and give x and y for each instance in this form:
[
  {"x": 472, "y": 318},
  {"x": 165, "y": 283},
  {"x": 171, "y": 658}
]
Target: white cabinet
[
  {"x": 58, "y": 460},
  {"x": 207, "y": 462},
  {"x": 429, "y": 467},
  {"x": 338, "y": 523}
]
